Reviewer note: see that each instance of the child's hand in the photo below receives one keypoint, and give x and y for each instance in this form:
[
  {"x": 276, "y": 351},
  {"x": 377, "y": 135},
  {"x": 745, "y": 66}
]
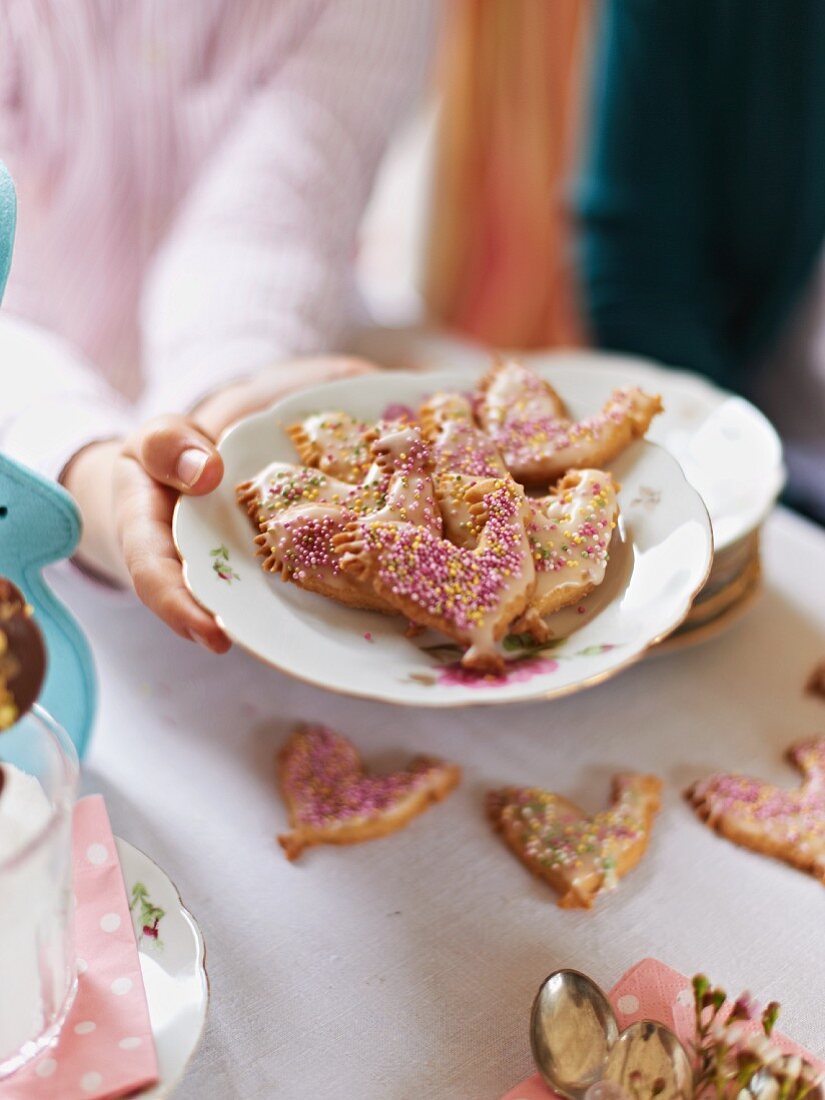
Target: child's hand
[{"x": 127, "y": 491}]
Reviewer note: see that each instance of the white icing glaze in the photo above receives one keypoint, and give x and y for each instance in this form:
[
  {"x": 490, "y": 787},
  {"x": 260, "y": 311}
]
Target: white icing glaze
[
  {"x": 514, "y": 390},
  {"x": 570, "y": 533},
  {"x": 471, "y": 595},
  {"x": 342, "y": 444},
  {"x": 586, "y": 855},
  {"x": 300, "y": 510},
  {"x": 463, "y": 455},
  {"x": 546, "y": 447}
]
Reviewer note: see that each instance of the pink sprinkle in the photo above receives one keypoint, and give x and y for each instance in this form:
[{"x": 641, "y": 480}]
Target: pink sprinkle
[{"x": 368, "y": 637}]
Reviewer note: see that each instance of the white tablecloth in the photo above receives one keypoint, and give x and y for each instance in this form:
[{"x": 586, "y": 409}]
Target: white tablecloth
[{"x": 404, "y": 969}]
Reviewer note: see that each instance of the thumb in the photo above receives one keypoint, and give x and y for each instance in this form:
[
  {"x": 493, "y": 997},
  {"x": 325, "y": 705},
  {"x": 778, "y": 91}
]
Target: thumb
[{"x": 176, "y": 453}]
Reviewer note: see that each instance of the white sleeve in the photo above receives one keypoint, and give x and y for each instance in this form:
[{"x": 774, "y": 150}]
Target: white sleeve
[
  {"x": 52, "y": 403},
  {"x": 259, "y": 263}
]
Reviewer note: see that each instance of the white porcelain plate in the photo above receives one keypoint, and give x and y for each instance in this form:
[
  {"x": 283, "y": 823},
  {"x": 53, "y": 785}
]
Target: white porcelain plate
[
  {"x": 172, "y": 963},
  {"x": 660, "y": 558}
]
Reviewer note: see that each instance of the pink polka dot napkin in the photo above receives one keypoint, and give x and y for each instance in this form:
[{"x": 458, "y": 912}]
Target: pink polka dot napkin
[
  {"x": 106, "y": 1048},
  {"x": 649, "y": 991}
]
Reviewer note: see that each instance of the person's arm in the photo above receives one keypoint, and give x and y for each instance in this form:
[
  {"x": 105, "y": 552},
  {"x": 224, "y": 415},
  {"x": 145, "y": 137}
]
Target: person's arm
[
  {"x": 259, "y": 264},
  {"x": 255, "y": 269},
  {"x": 645, "y": 204},
  {"x": 52, "y": 404}
]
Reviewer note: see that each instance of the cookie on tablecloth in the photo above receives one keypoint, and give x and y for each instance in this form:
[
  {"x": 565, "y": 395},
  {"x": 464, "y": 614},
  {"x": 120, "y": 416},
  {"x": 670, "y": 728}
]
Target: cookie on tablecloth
[
  {"x": 579, "y": 856},
  {"x": 775, "y": 821},
  {"x": 331, "y": 799}
]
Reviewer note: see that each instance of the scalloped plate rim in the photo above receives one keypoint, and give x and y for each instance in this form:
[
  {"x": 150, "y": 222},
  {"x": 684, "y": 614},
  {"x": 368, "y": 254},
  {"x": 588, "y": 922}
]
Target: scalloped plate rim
[
  {"x": 314, "y": 398},
  {"x": 170, "y": 1079}
]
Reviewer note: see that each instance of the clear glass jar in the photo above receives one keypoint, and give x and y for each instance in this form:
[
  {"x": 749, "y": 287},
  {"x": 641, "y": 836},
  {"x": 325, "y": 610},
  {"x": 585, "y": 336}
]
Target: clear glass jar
[{"x": 38, "y": 973}]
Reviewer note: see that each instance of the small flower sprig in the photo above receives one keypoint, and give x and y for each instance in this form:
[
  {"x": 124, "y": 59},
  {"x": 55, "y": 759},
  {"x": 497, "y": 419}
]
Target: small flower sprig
[
  {"x": 221, "y": 566},
  {"x": 732, "y": 1061}
]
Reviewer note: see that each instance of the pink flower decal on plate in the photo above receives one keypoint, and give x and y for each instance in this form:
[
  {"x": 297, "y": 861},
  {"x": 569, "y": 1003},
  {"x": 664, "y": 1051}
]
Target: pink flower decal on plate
[
  {"x": 516, "y": 672},
  {"x": 528, "y": 660},
  {"x": 150, "y": 914}
]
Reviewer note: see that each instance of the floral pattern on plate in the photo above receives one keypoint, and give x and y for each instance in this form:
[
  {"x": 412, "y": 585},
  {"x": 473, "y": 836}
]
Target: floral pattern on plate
[
  {"x": 529, "y": 661},
  {"x": 221, "y": 566}
]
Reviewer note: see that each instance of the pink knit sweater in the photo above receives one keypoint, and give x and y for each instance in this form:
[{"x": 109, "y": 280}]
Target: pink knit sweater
[{"x": 191, "y": 177}]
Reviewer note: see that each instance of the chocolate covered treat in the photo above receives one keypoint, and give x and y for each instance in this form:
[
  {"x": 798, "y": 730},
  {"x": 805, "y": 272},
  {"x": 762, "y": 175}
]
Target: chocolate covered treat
[{"x": 22, "y": 655}]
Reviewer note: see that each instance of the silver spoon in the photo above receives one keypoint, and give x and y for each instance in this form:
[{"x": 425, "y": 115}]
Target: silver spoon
[
  {"x": 576, "y": 1043},
  {"x": 572, "y": 1028},
  {"x": 648, "y": 1060}
]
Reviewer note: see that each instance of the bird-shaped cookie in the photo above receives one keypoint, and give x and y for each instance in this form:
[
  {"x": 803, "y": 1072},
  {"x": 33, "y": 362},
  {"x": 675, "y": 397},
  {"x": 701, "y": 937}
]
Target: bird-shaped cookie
[
  {"x": 335, "y": 442},
  {"x": 331, "y": 799},
  {"x": 538, "y": 445},
  {"x": 510, "y": 390},
  {"x": 471, "y": 595},
  {"x": 40, "y": 524},
  {"x": 579, "y": 856},
  {"x": 570, "y": 532},
  {"x": 787, "y": 824},
  {"x": 462, "y": 456},
  {"x": 299, "y": 510}
]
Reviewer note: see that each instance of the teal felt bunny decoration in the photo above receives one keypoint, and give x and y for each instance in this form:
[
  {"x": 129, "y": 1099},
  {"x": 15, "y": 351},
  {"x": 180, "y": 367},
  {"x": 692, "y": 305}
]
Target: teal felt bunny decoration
[
  {"x": 40, "y": 524},
  {"x": 8, "y": 221}
]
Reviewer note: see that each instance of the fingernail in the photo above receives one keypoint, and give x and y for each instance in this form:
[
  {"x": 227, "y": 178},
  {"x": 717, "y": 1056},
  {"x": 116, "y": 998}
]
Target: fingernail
[{"x": 190, "y": 466}]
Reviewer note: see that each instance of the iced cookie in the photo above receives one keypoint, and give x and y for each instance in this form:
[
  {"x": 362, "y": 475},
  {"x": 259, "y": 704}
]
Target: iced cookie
[
  {"x": 331, "y": 799},
  {"x": 570, "y": 532},
  {"x": 462, "y": 456},
  {"x": 539, "y": 449},
  {"x": 579, "y": 856},
  {"x": 299, "y": 511},
  {"x": 511, "y": 391},
  {"x": 470, "y": 595},
  {"x": 787, "y": 824},
  {"x": 281, "y": 485},
  {"x": 336, "y": 443},
  {"x": 22, "y": 655}
]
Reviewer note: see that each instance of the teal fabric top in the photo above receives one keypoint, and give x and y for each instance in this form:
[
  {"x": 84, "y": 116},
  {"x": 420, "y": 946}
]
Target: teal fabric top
[{"x": 702, "y": 197}]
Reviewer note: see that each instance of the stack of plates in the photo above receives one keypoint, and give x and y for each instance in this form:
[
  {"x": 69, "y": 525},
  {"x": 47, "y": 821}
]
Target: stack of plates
[{"x": 728, "y": 450}]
